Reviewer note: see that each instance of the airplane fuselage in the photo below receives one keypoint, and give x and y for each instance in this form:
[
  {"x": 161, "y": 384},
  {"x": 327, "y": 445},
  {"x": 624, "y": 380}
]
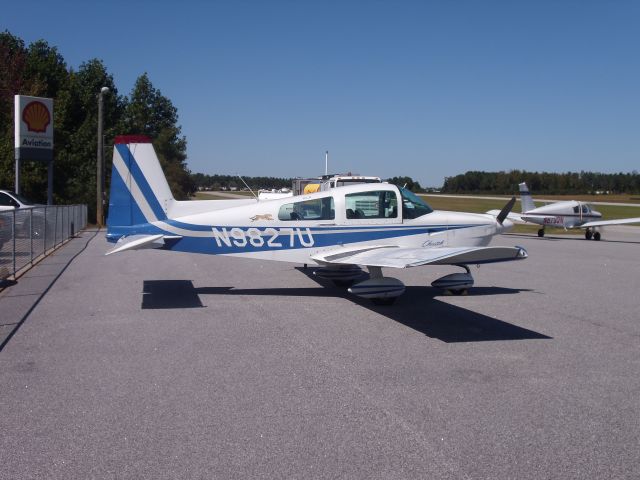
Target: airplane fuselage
[
  {"x": 567, "y": 214},
  {"x": 295, "y": 228}
]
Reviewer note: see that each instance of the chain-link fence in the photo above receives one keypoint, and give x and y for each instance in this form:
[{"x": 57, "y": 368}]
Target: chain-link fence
[{"x": 27, "y": 234}]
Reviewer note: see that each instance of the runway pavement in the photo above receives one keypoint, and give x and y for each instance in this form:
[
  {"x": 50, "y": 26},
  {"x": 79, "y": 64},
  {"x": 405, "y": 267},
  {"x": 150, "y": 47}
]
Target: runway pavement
[{"x": 159, "y": 365}]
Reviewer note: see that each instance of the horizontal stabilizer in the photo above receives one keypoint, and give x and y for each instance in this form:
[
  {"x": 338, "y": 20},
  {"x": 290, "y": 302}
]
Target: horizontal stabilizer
[
  {"x": 136, "y": 242},
  {"x": 404, "y": 257}
]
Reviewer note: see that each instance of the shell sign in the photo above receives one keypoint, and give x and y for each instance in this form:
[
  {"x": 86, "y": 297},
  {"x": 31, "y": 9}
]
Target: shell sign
[
  {"x": 34, "y": 127},
  {"x": 37, "y": 117}
]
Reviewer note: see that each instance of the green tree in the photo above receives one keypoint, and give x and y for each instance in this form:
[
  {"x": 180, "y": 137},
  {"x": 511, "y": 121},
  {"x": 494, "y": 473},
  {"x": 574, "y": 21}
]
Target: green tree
[
  {"x": 76, "y": 131},
  {"x": 150, "y": 113},
  {"x": 408, "y": 183},
  {"x": 13, "y": 59},
  {"x": 40, "y": 70}
]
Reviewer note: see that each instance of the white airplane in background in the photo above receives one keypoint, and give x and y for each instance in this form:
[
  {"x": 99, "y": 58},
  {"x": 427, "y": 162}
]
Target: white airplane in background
[
  {"x": 565, "y": 214},
  {"x": 373, "y": 225}
]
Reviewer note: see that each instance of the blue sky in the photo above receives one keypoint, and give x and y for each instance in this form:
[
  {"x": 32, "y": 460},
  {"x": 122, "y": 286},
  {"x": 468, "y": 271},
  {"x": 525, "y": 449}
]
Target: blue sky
[{"x": 426, "y": 89}]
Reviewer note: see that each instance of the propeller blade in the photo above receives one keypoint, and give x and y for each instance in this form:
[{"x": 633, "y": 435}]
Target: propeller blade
[{"x": 505, "y": 210}]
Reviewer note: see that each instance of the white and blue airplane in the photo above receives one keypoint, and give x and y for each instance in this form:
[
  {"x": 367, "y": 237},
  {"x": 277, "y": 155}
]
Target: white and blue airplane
[
  {"x": 375, "y": 225},
  {"x": 565, "y": 214}
]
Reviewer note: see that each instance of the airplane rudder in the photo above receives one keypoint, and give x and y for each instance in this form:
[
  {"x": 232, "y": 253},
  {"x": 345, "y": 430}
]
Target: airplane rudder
[
  {"x": 526, "y": 199},
  {"x": 134, "y": 195}
]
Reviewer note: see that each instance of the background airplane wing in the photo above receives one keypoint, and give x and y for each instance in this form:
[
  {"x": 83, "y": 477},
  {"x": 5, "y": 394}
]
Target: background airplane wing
[
  {"x": 404, "y": 257},
  {"x": 604, "y": 223}
]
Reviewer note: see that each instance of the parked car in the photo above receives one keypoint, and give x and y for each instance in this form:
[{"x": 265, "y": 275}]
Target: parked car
[{"x": 10, "y": 201}]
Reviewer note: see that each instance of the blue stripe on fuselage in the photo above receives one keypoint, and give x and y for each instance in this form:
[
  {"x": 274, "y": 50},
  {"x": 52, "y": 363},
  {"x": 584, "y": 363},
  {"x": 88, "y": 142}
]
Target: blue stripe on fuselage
[
  {"x": 291, "y": 238},
  {"x": 229, "y": 240}
]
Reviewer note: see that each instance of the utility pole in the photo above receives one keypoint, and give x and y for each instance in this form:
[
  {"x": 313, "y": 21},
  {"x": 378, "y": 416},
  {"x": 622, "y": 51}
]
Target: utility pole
[{"x": 99, "y": 162}]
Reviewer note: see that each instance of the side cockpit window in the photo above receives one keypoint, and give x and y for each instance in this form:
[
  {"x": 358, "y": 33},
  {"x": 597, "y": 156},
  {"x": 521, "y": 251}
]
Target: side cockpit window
[
  {"x": 370, "y": 205},
  {"x": 316, "y": 209}
]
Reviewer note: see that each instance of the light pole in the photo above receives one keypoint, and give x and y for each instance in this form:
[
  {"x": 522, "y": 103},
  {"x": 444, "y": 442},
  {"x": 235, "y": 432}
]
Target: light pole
[{"x": 100, "y": 160}]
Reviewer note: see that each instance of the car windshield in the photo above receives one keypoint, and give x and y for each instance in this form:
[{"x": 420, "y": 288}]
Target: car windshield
[
  {"x": 412, "y": 205},
  {"x": 23, "y": 200}
]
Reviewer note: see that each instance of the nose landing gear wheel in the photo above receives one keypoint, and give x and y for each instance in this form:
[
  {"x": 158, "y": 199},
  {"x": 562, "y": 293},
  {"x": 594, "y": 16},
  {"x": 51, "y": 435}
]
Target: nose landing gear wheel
[{"x": 541, "y": 232}]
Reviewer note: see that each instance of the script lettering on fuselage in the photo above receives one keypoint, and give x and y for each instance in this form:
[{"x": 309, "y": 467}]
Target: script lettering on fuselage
[
  {"x": 269, "y": 237},
  {"x": 553, "y": 221},
  {"x": 433, "y": 243}
]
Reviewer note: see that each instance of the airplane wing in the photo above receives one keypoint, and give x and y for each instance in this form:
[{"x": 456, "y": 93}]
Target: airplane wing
[
  {"x": 603, "y": 223},
  {"x": 404, "y": 257}
]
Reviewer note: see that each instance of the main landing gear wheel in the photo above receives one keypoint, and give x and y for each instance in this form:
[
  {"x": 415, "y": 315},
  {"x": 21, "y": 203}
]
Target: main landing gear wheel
[
  {"x": 588, "y": 234},
  {"x": 379, "y": 289},
  {"x": 455, "y": 283},
  {"x": 541, "y": 232},
  {"x": 596, "y": 236}
]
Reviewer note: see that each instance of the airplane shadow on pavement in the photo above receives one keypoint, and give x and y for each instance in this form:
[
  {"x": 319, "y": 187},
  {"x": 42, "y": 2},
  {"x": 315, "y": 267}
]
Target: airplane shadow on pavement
[{"x": 418, "y": 308}]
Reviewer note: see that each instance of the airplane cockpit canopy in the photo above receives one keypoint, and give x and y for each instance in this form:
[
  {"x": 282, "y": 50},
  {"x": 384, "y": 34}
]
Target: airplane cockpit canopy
[
  {"x": 412, "y": 205},
  {"x": 582, "y": 208}
]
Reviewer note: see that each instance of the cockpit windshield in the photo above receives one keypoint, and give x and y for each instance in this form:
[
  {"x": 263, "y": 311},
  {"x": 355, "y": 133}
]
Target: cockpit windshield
[{"x": 412, "y": 205}]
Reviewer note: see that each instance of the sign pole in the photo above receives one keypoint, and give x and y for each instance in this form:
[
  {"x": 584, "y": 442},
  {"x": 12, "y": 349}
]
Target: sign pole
[
  {"x": 17, "y": 189},
  {"x": 99, "y": 161}
]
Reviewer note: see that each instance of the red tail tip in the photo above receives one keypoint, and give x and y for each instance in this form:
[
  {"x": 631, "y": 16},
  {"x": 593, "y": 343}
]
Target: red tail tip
[{"x": 131, "y": 139}]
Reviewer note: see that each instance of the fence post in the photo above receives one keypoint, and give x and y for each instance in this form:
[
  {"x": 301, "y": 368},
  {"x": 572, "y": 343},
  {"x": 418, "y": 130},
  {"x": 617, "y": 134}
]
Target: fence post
[
  {"x": 31, "y": 233},
  {"x": 55, "y": 230},
  {"x": 44, "y": 246}
]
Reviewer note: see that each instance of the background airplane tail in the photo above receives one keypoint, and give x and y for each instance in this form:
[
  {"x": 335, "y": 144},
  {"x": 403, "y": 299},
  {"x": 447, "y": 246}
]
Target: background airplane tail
[
  {"x": 140, "y": 193},
  {"x": 525, "y": 198}
]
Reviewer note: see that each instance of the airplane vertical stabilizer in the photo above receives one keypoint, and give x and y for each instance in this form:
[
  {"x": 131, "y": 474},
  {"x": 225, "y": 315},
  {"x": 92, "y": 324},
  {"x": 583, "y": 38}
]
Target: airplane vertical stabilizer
[
  {"x": 139, "y": 190},
  {"x": 525, "y": 198}
]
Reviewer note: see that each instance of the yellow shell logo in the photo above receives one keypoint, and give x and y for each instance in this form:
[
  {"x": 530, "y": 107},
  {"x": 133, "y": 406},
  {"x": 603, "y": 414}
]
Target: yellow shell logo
[{"x": 36, "y": 116}]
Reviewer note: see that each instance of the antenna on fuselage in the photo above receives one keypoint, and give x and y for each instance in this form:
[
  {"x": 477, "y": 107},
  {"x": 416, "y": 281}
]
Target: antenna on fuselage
[{"x": 245, "y": 184}]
